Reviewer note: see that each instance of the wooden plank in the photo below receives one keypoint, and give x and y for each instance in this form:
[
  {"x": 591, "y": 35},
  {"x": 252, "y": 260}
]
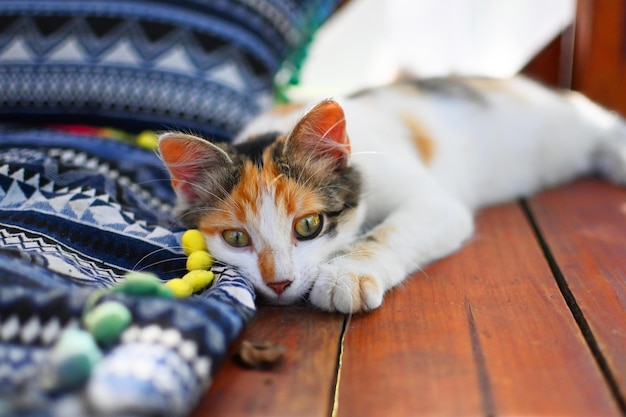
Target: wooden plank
[
  {"x": 302, "y": 384},
  {"x": 584, "y": 226},
  {"x": 483, "y": 332}
]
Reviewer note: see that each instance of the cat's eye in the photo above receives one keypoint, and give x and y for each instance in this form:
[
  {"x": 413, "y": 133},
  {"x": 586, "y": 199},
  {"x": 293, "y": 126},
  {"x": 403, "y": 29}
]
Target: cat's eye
[
  {"x": 236, "y": 238},
  {"x": 308, "y": 227}
]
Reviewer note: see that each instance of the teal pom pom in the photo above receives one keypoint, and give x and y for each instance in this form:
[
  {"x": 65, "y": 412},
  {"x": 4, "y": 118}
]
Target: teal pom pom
[{"x": 71, "y": 360}]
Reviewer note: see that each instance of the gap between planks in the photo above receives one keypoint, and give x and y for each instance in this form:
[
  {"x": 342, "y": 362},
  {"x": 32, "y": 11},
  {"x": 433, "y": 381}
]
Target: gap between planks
[
  {"x": 484, "y": 382},
  {"x": 335, "y": 394},
  {"x": 419, "y": 351},
  {"x": 572, "y": 304}
]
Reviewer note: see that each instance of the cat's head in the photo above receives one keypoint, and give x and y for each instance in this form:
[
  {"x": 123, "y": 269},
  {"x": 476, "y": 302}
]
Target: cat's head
[{"x": 276, "y": 206}]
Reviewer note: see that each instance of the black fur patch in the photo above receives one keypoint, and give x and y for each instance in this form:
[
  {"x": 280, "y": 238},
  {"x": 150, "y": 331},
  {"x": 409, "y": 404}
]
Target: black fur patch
[
  {"x": 333, "y": 219},
  {"x": 447, "y": 86},
  {"x": 443, "y": 86},
  {"x": 255, "y": 147}
]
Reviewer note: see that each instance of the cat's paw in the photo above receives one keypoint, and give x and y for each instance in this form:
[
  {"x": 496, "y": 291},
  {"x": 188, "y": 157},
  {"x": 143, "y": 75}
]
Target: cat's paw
[{"x": 346, "y": 290}]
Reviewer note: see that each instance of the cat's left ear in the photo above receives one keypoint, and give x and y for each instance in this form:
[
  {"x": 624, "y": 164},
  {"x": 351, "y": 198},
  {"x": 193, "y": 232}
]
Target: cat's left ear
[
  {"x": 190, "y": 161},
  {"x": 321, "y": 133}
]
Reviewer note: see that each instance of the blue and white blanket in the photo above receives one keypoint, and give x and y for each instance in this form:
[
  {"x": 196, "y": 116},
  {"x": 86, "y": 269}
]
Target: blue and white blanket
[
  {"x": 77, "y": 212},
  {"x": 74, "y": 218}
]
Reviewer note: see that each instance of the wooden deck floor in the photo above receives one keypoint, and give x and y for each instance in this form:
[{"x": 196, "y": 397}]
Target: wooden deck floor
[{"x": 529, "y": 318}]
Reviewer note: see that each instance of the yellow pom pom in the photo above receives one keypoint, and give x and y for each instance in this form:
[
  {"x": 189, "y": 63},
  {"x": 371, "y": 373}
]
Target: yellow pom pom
[
  {"x": 199, "y": 260},
  {"x": 148, "y": 139},
  {"x": 199, "y": 279},
  {"x": 192, "y": 241},
  {"x": 179, "y": 287}
]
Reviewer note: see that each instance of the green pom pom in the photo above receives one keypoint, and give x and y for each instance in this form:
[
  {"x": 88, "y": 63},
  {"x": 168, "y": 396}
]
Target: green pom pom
[
  {"x": 144, "y": 283},
  {"x": 107, "y": 321}
]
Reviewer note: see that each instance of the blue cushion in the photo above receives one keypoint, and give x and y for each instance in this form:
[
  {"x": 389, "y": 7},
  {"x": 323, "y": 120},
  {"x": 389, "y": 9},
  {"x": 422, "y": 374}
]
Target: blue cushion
[{"x": 205, "y": 66}]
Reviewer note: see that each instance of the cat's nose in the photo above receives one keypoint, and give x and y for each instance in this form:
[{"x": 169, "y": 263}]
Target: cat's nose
[{"x": 279, "y": 287}]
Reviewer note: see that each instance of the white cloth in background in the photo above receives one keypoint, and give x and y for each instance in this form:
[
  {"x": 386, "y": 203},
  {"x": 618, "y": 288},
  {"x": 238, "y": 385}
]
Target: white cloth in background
[{"x": 369, "y": 42}]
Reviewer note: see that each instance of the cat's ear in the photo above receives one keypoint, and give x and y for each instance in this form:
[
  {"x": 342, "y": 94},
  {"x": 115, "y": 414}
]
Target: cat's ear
[
  {"x": 321, "y": 133},
  {"x": 189, "y": 159}
]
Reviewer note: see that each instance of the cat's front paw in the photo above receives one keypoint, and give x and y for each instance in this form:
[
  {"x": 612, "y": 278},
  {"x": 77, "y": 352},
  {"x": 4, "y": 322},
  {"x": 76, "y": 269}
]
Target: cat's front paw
[{"x": 346, "y": 290}]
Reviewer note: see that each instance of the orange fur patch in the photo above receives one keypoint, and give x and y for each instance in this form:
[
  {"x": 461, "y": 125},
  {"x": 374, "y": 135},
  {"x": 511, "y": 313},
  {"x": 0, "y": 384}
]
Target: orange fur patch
[
  {"x": 366, "y": 249},
  {"x": 423, "y": 142},
  {"x": 267, "y": 265},
  {"x": 381, "y": 234},
  {"x": 235, "y": 210},
  {"x": 241, "y": 208},
  {"x": 295, "y": 199},
  {"x": 367, "y": 281},
  {"x": 496, "y": 85},
  {"x": 487, "y": 84},
  {"x": 361, "y": 282}
]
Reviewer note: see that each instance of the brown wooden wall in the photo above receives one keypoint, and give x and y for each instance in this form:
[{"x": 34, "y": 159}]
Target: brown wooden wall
[
  {"x": 589, "y": 56},
  {"x": 600, "y": 52}
]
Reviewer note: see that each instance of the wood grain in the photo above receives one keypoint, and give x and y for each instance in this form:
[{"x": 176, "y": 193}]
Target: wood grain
[
  {"x": 584, "y": 225},
  {"x": 302, "y": 385},
  {"x": 483, "y": 332}
]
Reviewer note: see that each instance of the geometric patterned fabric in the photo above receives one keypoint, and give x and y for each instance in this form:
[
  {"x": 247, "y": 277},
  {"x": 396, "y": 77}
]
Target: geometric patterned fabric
[
  {"x": 115, "y": 213},
  {"x": 74, "y": 217},
  {"x": 200, "y": 65},
  {"x": 161, "y": 365},
  {"x": 78, "y": 211}
]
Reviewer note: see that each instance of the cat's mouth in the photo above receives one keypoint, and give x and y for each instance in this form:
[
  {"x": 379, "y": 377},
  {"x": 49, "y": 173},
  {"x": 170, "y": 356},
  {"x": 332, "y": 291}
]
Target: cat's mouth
[{"x": 290, "y": 295}]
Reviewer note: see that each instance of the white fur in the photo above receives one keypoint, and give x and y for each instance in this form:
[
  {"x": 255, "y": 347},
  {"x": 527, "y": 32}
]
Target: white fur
[
  {"x": 297, "y": 262},
  {"x": 521, "y": 138}
]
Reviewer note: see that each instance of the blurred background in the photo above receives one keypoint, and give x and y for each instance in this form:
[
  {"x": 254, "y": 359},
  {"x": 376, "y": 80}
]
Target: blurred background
[{"x": 564, "y": 43}]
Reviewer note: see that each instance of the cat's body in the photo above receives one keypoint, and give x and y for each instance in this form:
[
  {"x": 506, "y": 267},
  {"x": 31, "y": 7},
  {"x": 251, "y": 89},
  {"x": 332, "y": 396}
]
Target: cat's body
[{"x": 340, "y": 210}]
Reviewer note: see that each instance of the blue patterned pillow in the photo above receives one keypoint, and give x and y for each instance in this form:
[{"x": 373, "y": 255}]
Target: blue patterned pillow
[{"x": 201, "y": 65}]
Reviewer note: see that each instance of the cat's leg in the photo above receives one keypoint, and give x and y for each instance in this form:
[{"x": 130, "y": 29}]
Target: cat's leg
[
  {"x": 609, "y": 157},
  {"x": 607, "y": 130},
  {"x": 426, "y": 226}
]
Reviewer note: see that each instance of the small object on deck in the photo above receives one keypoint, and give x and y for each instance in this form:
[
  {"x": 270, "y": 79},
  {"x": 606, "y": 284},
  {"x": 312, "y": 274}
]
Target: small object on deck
[{"x": 260, "y": 355}]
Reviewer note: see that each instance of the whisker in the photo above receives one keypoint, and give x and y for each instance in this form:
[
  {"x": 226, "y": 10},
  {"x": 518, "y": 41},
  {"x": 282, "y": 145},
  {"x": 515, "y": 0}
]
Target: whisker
[
  {"x": 168, "y": 249},
  {"x": 375, "y": 153},
  {"x": 162, "y": 261},
  {"x": 334, "y": 125},
  {"x": 154, "y": 180}
]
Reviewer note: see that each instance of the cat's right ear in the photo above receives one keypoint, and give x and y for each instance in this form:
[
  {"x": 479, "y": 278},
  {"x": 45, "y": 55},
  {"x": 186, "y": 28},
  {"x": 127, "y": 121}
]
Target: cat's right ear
[
  {"x": 321, "y": 134},
  {"x": 189, "y": 159}
]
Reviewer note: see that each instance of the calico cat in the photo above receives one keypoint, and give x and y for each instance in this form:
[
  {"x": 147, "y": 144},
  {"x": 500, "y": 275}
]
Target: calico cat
[{"x": 342, "y": 202}]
